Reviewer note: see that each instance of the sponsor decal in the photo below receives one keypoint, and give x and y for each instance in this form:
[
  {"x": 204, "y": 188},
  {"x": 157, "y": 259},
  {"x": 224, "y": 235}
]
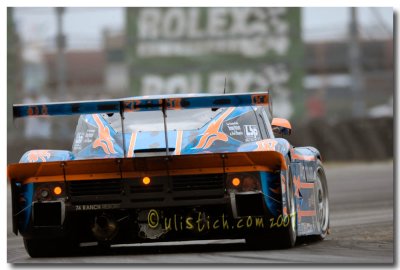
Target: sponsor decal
[
  {"x": 251, "y": 132},
  {"x": 89, "y": 135},
  {"x": 234, "y": 128},
  {"x": 92, "y": 207}
]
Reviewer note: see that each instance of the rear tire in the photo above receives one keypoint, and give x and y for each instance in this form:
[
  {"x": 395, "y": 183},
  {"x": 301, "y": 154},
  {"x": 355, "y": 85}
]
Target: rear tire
[
  {"x": 322, "y": 201},
  {"x": 260, "y": 242},
  {"x": 284, "y": 237},
  {"x": 38, "y": 248}
]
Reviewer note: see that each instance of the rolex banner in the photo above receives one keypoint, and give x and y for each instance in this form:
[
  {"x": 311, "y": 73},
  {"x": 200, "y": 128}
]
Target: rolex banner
[{"x": 207, "y": 50}]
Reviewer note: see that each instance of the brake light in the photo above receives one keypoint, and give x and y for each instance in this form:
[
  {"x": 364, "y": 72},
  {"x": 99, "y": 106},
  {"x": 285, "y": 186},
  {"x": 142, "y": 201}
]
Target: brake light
[
  {"x": 57, "y": 190},
  {"x": 146, "y": 180},
  {"x": 235, "y": 181}
]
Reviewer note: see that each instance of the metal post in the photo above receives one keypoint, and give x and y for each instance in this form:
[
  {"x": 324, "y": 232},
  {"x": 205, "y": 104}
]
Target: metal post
[
  {"x": 164, "y": 111},
  {"x": 355, "y": 67},
  {"x": 61, "y": 126},
  {"x": 60, "y": 41},
  {"x": 121, "y": 113}
]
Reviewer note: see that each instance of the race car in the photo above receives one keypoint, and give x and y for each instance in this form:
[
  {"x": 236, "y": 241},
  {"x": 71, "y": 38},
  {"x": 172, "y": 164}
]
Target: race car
[{"x": 168, "y": 168}]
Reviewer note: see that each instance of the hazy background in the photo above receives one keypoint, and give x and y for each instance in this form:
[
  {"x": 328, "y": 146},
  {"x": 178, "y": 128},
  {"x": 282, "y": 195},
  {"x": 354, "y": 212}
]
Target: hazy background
[{"x": 330, "y": 69}]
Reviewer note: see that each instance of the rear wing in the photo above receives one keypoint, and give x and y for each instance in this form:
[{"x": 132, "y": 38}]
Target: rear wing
[{"x": 140, "y": 104}]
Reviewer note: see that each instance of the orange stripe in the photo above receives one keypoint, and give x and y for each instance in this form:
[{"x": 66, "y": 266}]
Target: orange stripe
[
  {"x": 307, "y": 158},
  {"x": 303, "y": 157},
  {"x": 178, "y": 142},
  {"x": 212, "y": 133},
  {"x": 132, "y": 144},
  {"x": 300, "y": 156},
  {"x": 104, "y": 138},
  {"x": 306, "y": 185},
  {"x": 307, "y": 213},
  {"x": 304, "y": 213}
]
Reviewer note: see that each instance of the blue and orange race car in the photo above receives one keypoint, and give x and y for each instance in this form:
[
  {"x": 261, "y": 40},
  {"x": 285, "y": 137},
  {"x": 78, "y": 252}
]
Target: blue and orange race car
[{"x": 162, "y": 168}]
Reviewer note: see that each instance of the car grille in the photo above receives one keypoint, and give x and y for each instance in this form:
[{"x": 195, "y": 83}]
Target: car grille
[
  {"x": 146, "y": 189},
  {"x": 197, "y": 182},
  {"x": 182, "y": 187},
  {"x": 101, "y": 187}
]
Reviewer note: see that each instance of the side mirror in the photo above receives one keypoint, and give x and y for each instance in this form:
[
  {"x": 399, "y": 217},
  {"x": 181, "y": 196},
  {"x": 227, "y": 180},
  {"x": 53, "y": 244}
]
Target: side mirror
[{"x": 281, "y": 126}]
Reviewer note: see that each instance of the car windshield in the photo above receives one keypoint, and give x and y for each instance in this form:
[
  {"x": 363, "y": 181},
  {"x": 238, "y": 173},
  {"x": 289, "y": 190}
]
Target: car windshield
[{"x": 153, "y": 120}]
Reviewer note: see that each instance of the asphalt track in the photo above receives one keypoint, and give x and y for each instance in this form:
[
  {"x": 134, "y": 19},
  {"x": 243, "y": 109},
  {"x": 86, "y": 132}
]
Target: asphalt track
[{"x": 362, "y": 216}]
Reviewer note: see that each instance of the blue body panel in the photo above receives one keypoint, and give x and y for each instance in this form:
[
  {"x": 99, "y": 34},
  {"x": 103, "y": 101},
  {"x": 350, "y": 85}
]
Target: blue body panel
[
  {"x": 46, "y": 156},
  {"x": 27, "y": 193}
]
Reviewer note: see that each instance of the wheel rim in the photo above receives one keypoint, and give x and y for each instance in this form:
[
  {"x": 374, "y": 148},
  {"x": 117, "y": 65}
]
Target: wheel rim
[{"x": 322, "y": 203}]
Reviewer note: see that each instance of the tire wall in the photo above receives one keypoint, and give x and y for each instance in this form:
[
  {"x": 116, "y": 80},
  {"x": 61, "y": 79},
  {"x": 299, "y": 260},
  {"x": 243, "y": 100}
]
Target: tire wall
[{"x": 355, "y": 139}]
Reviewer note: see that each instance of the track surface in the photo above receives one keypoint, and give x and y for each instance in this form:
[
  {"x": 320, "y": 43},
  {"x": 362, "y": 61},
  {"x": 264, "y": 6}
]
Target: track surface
[{"x": 361, "y": 205}]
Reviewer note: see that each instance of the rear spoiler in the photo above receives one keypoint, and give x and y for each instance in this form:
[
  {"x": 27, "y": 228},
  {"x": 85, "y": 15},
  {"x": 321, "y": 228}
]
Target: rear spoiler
[
  {"x": 140, "y": 104},
  {"x": 128, "y": 168}
]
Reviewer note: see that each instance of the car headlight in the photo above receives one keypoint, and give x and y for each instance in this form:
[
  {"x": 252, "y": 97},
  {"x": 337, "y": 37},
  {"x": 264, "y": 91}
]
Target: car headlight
[{"x": 244, "y": 182}]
